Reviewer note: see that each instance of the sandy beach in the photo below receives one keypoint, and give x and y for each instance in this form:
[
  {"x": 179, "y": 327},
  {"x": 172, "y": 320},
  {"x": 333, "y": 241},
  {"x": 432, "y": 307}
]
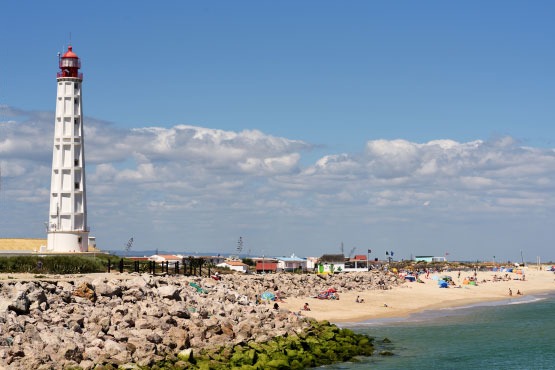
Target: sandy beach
[{"x": 413, "y": 297}]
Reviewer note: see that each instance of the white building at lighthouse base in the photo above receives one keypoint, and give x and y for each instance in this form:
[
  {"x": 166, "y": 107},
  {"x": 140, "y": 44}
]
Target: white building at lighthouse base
[{"x": 67, "y": 241}]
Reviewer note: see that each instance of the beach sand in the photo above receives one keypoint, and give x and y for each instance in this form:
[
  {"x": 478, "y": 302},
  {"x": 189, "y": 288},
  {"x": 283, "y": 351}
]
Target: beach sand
[{"x": 413, "y": 297}]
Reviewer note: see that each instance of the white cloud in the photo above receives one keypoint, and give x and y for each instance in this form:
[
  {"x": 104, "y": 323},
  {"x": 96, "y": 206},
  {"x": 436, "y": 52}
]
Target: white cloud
[{"x": 186, "y": 185}]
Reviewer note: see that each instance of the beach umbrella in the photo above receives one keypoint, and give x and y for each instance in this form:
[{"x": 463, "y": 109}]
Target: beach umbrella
[{"x": 268, "y": 295}]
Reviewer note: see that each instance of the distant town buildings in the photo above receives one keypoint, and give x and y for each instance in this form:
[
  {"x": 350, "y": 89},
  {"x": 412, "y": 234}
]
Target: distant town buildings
[{"x": 429, "y": 259}]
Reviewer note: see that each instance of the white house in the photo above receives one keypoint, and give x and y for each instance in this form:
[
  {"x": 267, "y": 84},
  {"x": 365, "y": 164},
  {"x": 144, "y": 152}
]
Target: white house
[
  {"x": 311, "y": 263},
  {"x": 331, "y": 263},
  {"x": 358, "y": 263},
  {"x": 234, "y": 266},
  {"x": 161, "y": 258},
  {"x": 291, "y": 263}
]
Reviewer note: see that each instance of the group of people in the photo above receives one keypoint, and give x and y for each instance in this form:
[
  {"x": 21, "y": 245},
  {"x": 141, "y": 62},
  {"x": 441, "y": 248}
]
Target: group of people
[
  {"x": 518, "y": 292},
  {"x": 496, "y": 278}
]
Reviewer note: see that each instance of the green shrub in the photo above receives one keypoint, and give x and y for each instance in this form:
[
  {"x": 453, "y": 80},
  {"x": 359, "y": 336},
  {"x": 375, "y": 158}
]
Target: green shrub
[{"x": 52, "y": 264}]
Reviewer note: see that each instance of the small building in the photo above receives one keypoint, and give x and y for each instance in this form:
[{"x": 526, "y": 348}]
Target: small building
[
  {"x": 234, "y": 266},
  {"x": 266, "y": 266},
  {"x": 291, "y": 264},
  {"x": 357, "y": 263},
  {"x": 429, "y": 259},
  {"x": 311, "y": 263},
  {"x": 212, "y": 259},
  {"x": 163, "y": 258},
  {"x": 331, "y": 263}
]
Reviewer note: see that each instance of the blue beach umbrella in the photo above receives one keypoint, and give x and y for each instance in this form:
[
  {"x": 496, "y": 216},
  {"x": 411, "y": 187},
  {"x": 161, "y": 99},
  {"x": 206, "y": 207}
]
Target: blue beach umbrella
[{"x": 267, "y": 295}]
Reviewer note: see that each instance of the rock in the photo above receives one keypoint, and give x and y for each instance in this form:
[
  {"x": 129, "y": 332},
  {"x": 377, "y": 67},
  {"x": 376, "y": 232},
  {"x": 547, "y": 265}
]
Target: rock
[
  {"x": 85, "y": 290},
  {"x": 37, "y": 296},
  {"x": 20, "y": 305},
  {"x": 72, "y": 352},
  {"x": 104, "y": 323},
  {"x": 108, "y": 289},
  {"x": 170, "y": 292},
  {"x": 179, "y": 310},
  {"x": 154, "y": 338},
  {"x": 112, "y": 348}
]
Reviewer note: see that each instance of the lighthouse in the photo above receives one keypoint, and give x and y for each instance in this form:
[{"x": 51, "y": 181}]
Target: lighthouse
[{"x": 67, "y": 221}]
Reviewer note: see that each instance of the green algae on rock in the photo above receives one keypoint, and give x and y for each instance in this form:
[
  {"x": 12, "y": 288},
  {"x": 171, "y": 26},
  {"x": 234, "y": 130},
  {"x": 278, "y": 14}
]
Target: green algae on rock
[{"x": 321, "y": 344}]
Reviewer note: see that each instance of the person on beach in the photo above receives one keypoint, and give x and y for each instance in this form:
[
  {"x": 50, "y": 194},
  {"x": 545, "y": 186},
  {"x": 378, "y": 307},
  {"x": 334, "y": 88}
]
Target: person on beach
[
  {"x": 276, "y": 306},
  {"x": 306, "y": 308},
  {"x": 518, "y": 292},
  {"x": 510, "y": 292},
  {"x": 278, "y": 294},
  {"x": 359, "y": 300}
]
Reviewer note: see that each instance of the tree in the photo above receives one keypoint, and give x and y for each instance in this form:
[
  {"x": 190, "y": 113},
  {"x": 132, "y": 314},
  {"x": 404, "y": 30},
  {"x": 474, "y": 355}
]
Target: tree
[
  {"x": 128, "y": 246},
  {"x": 248, "y": 261}
]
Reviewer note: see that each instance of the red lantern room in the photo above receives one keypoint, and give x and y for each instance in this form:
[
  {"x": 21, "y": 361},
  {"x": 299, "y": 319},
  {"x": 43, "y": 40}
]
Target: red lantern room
[{"x": 70, "y": 64}]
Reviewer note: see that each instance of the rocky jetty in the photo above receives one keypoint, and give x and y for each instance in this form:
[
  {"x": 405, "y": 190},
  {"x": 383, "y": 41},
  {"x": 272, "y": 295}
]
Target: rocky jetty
[{"x": 140, "y": 320}]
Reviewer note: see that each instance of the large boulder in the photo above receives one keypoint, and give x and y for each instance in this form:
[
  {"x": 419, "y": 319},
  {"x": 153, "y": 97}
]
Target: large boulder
[
  {"x": 85, "y": 290},
  {"x": 169, "y": 292},
  {"x": 107, "y": 288},
  {"x": 20, "y": 304}
]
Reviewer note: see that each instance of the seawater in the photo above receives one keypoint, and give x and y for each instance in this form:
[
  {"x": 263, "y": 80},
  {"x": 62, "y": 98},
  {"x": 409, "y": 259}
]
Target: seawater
[{"x": 514, "y": 334}]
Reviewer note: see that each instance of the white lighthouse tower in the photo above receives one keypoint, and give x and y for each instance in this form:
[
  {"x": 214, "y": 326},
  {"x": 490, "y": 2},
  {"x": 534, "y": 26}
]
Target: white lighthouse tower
[{"x": 67, "y": 222}]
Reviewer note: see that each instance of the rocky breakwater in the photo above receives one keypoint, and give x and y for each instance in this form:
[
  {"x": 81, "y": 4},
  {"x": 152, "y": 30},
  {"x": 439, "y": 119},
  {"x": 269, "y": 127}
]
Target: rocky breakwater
[{"x": 107, "y": 321}]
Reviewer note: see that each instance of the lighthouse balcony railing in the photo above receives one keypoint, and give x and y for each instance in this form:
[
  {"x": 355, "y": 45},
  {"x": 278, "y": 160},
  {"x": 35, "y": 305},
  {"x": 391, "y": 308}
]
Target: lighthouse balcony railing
[
  {"x": 54, "y": 227},
  {"x": 68, "y": 75}
]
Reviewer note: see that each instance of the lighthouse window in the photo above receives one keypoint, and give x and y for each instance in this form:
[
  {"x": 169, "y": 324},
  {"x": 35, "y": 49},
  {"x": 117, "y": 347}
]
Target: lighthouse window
[
  {"x": 79, "y": 240},
  {"x": 76, "y": 162},
  {"x": 76, "y": 186}
]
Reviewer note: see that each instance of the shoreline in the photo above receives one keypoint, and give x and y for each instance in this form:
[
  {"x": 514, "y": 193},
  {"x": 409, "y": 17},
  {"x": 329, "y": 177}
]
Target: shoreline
[{"x": 412, "y": 298}]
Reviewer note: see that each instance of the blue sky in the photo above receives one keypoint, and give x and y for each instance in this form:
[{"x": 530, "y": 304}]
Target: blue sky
[{"x": 420, "y": 127}]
